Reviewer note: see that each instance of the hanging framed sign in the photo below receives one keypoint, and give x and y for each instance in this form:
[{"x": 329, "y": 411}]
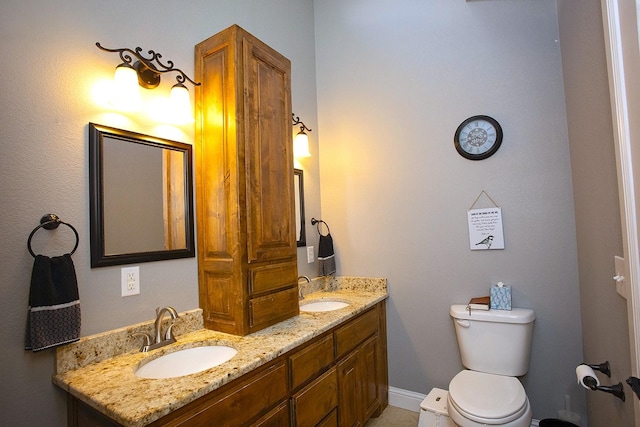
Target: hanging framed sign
[{"x": 485, "y": 226}]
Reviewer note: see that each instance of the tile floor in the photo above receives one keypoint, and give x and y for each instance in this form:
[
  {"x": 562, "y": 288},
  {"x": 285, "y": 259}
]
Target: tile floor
[{"x": 394, "y": 417}]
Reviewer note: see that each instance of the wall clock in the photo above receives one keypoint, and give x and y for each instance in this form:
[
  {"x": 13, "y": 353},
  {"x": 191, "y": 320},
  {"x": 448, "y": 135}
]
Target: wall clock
[{"x": 478, "y": 137}]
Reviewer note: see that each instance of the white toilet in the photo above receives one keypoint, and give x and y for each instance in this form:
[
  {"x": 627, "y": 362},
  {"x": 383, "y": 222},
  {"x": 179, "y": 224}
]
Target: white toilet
[{"x": 494, "y": 347}]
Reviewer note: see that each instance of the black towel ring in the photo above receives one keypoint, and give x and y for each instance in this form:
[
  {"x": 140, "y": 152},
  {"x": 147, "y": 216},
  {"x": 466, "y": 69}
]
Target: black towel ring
[
  {"x": 51, "y": 222},
  {"x": 318, "y": 223}
]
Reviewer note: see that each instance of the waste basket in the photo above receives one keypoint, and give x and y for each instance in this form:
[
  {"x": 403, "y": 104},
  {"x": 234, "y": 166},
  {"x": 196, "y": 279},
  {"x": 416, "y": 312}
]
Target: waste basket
[{"x": 554, "y": 422}]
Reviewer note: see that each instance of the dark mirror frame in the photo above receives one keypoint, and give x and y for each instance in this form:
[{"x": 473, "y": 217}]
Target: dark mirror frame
[
  {"x": 298, "y": 183},
  {"x": 99, "y": 258}
]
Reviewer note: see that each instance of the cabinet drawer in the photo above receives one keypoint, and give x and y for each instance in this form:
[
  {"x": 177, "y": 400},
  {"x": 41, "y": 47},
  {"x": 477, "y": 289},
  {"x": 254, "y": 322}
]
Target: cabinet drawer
[
  {"x": 330, "y": 420},
  {"x": 273, "y": 308},
  {"x": 278, "y": 417},
  {"x": 314, "y": 402},
  {"x": 238, "y": 406},
  {"x": 310, "y": 361},
  {"x": 268, "y": 278},
  {"x": 349, "y": 336}
]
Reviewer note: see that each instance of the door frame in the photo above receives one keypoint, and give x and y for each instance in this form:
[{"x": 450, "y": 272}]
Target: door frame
[{"x": 623, "y": 55}]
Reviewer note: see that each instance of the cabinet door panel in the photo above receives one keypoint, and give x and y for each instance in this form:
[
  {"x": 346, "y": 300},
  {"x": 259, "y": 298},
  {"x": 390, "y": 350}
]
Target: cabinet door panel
[
  {"x": 369, "y": 379},
  {"x": 310, "y": 361},
  {"x": 314, "y": 402},
  {"x": 350, "y": 401},
  {"x": 351, "y": 335},
  {"x": 268, "y": 156}
]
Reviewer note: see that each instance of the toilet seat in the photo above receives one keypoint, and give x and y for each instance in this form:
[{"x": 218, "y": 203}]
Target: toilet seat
[{"x": 487, "y": 398}]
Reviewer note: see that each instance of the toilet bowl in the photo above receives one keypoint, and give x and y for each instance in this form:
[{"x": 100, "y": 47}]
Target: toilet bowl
[
  {"x": 481, "y": 399},
  {"x": 494, "y": 348}
]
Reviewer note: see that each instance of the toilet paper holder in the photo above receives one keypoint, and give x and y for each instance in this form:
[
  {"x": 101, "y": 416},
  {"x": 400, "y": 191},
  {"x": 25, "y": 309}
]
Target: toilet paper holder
[
  {"x": 592, "y": 383},
  {"x": 603, "y": 367},
  {"x": 634, "y": 383}
]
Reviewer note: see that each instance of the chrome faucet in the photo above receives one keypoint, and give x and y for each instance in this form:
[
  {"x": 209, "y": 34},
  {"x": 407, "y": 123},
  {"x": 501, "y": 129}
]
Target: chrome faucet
[
  {"x": 168, "y": 335},
  {"x": 299, "y": 288}
]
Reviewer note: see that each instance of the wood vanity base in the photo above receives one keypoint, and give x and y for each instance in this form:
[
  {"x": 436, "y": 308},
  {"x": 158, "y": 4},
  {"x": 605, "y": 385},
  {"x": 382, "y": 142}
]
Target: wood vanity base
[{"x": 336, "y": 379}]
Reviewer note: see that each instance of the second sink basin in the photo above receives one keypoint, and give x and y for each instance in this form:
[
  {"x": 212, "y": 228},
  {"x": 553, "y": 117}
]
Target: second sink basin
[
  {"x": 323, "y": 305},
  {"x": 186, "y": 362}
]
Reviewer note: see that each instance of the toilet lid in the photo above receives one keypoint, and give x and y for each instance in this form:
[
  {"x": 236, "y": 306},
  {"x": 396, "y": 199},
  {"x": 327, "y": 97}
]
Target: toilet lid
[{"x": 486, "y": 397}]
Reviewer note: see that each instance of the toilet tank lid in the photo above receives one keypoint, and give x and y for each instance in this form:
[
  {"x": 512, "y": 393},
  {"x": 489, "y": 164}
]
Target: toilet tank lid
[{"x": 515, "y": 315}]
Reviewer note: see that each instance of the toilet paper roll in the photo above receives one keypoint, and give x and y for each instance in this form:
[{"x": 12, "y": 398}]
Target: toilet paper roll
[{"x": 584, "y": 371}]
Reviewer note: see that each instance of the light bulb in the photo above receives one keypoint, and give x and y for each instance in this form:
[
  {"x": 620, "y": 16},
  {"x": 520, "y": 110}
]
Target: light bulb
[
  {"x": 301, "y": 145},
  {"x": 180, "y": 105},
  {"x": 126, "y": 92}
]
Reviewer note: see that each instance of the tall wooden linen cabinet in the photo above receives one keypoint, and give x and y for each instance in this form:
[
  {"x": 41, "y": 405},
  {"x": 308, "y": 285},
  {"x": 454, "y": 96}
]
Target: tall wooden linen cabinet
[{"x": 247, "y": 266}]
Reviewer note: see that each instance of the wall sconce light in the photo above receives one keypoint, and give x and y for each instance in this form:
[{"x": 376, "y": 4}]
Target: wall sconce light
[
  {"x": 301, "y": 140},
  {"x": 146, "y": 72}
]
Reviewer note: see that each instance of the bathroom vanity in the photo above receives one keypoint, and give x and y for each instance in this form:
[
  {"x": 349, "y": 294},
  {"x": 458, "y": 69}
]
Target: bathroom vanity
[
  {"x": 293, "y": 367},
  {"x": 315, "y": 369}
]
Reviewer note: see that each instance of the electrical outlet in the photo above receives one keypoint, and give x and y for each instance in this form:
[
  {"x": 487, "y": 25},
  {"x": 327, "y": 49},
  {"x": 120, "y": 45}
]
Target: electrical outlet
[
  {"x": 310, "y": 254},
  {"x": 130, "y": 281}
]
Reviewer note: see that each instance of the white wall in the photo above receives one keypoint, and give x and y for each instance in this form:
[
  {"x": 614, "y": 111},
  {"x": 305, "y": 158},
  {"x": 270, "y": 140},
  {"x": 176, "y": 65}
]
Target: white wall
[
  {"x": 50, "y": 68},
  {"x": 394, "y": 81}
]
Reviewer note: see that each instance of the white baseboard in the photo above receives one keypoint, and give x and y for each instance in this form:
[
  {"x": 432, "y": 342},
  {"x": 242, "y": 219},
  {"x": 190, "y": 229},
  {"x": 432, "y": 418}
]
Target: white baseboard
[
  {"x": 405, "y": 399},
  {"x": 410, "y": 400}
]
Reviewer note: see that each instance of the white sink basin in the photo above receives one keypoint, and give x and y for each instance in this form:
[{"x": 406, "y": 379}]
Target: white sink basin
[
  {"x": 186, "y": 362},
  {"x": 323, "y": 305}
]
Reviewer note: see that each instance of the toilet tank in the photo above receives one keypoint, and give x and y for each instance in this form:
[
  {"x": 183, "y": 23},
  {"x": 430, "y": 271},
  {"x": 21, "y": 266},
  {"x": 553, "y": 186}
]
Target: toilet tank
[{"x": 494, "y": 341}]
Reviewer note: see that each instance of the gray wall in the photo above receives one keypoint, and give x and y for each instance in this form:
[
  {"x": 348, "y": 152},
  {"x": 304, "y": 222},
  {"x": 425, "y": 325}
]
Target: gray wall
[
  {"x": 393, "y": 84},
  {"x": 51, "y": 70}
]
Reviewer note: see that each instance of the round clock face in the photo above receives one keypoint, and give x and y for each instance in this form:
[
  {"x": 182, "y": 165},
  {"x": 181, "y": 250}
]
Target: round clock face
[{"x": 478, "y": 137}]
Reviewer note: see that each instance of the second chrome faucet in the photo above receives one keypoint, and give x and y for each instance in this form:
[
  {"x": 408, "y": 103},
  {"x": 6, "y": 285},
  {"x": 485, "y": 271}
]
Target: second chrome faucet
[
  {"x": 300, "y": 296},
  {"x": 159, "y": 340}
]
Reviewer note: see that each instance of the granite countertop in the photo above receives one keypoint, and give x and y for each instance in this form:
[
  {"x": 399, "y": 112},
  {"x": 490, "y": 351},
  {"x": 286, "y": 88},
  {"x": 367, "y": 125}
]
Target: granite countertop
[{"x": 99, "y": 370}]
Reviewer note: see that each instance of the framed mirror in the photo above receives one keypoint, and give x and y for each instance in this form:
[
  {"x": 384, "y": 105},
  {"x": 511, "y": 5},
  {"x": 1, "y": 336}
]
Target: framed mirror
[
  {"x": 298, "y": 187},
  {"x": 141, "y": 197}
]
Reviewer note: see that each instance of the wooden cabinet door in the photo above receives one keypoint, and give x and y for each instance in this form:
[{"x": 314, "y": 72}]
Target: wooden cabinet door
[
  {"x": 268, "y": 155},
  {"x": 369, "y": 377},
  {"x": 310, "y": 361},
  {"x": 314, "y": 402},
  {"x": 350, "y": 396},
  {"x": 359, "y": 385}
]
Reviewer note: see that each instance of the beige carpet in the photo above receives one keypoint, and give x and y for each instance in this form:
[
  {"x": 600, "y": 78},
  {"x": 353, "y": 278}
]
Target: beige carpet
[{"x": 394, "y": 417}]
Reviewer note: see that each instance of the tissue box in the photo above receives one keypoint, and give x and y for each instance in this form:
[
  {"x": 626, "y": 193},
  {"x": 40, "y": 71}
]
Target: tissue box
[{"x": 500, "y": 297}]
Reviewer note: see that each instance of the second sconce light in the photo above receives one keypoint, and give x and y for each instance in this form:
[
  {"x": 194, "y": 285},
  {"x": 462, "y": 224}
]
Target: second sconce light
[{"x": 301, "y": 140}]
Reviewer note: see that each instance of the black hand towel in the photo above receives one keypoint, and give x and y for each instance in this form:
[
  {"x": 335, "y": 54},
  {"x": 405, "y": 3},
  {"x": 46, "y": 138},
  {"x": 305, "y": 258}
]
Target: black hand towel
[
  {"x": 54, "y": 304},
  {"x": 326, "y": 257}
]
